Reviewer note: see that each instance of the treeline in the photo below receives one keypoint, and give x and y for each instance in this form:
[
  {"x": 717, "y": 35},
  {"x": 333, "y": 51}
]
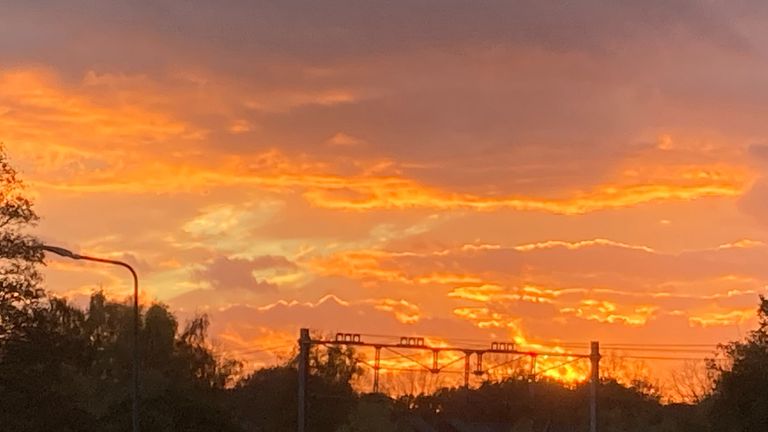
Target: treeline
[
  {"x": 70, "y": 370},
  {"x": 67, "y": 369}
]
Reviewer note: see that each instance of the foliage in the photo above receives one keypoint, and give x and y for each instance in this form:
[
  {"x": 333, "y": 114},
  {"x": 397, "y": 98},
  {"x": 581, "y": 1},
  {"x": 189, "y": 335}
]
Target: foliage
[
  {"x": 19, "y": 254},
  {"x": 518, "y": 404},
  {"x": 740, "y": 400},
  {"x": 267, "y": 400},
  {"x": 72, "y": 371},
  {"x": 372, "y": 413}
]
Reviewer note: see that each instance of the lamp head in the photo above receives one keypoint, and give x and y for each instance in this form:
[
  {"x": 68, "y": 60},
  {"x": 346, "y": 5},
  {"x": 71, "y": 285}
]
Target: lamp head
[{"x": 60, "y": 251}]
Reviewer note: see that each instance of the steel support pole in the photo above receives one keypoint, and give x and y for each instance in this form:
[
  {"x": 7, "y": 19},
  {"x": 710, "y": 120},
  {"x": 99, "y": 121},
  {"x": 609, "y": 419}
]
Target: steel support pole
[
  {"x": 479, "y": 364},
  {"x": 135, "y": 396},
  {"x": 135, "y": 370},
  {"x": 376, "y": 368},
  {"x": 594, "y": 382},
  {"x": 467, "y": 359},
  {"x": 303, "y": 367}
]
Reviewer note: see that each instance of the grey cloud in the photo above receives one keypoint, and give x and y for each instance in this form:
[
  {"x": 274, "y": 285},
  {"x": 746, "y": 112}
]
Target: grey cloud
[
  {"x": 528, "y": 84},
  {"x": 755, "y": 201},
  {"x": 323, "y": 31},
  {"x": 235, "y": 273},
  {"x": 759, "y": 152}
]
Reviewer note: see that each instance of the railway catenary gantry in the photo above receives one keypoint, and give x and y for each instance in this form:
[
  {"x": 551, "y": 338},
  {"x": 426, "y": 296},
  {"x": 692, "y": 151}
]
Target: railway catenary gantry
[{"x": 422, "y": 344}]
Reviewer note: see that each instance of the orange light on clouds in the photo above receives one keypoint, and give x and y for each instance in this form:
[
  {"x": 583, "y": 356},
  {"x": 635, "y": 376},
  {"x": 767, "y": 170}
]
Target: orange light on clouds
[
  {"x": 398, "y": 185},
  {"x": 92, "y": 124}
]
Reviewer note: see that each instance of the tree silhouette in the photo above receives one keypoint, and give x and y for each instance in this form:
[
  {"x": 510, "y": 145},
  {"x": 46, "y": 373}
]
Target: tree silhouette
[
  {"x": 740, "y": 398},
  {"x": 267, "y": 400},
  {"x": 71, "y": 372},
  {"x": 19, "y": 253}
]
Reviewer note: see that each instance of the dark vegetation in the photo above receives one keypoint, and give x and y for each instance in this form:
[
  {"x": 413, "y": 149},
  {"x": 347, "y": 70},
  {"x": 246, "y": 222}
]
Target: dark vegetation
[{"x": 67, "y": 369}]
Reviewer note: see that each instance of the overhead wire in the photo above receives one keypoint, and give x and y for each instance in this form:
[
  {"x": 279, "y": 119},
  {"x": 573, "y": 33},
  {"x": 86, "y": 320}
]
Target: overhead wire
[
  {"x": 409, "y": 358},
  {"x": 516, "y": 358},
  {"x": 539, "y": 372},
  {"x": 664, "y": 358},
  {"x": 452, "y": 362},
  {"x": 622, "y": 350},
  {"x": 563, "y": 344}
]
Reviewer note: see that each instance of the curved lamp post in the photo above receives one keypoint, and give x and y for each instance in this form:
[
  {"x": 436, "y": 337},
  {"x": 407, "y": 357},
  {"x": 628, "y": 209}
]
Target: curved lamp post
[{"x": 135, "y": 375}]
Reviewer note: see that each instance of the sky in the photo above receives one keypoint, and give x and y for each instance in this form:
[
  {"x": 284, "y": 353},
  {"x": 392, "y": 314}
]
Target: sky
[{"x": 528, "y": 171}]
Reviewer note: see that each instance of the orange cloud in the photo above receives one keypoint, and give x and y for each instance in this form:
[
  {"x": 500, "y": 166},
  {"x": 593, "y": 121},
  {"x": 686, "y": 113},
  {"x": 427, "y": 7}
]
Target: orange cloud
[
  {"x": 609, "y": 312},
  {"x": 96, "y": 136},
  {"x": 39, "y": 111},
  {"x": 495, "y": 293},
  {"x": 367, "y": 264},
  {"x": 580, "y": 244},
  {"x": 722, "y": 318},
  {"x": 393, "y": 193},
  {"x": 404, "y": 311},
  {"x": 365, "y": 193}
]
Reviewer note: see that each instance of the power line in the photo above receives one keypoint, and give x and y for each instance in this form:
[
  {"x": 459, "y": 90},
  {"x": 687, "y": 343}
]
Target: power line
[
  {"x": 503, "y": 364},
  {"x": 658, "y": 345},
  {"x": 664, "y": 358},
  {"x": 408, "y": 358},
  {"x": 421, "y": 344},
  {"x": 557, "y": 366},
  {"x": 403, "y": 369},
  {"x": 683, "y": 350},
  {"x": 265, "y": 350},
  {"x": 563, "y": 344},
  {"x": 454, "y": 361}
]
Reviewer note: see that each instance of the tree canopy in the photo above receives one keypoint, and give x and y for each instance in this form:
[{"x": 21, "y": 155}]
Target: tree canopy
[
  {"x": 740, "y": 398},
  {"x": 78, "y": 364},
  {"x": 19, "y": 253}
]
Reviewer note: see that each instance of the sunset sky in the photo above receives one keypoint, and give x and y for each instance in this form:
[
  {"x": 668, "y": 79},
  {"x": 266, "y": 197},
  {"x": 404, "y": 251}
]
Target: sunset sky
[{"x": 510, "y": 170}]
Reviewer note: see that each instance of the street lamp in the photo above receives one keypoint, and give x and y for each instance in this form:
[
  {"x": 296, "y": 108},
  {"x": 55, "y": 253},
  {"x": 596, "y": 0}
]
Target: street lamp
[{"x": 135, "y": 376}]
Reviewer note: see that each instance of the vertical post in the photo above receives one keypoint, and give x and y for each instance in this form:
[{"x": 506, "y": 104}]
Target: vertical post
[
  {"x": 532, "y": 374},
  {"x": 435, "y": 364},
  {"x": 594, "y": 358},
  {"x": 376, "y": 367},
  {"x": 479, "y": 364},
  {"x": 304, "y": 345},
  {"x": 135, "y": 370},
  {"x": 467, "y": 359}
]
